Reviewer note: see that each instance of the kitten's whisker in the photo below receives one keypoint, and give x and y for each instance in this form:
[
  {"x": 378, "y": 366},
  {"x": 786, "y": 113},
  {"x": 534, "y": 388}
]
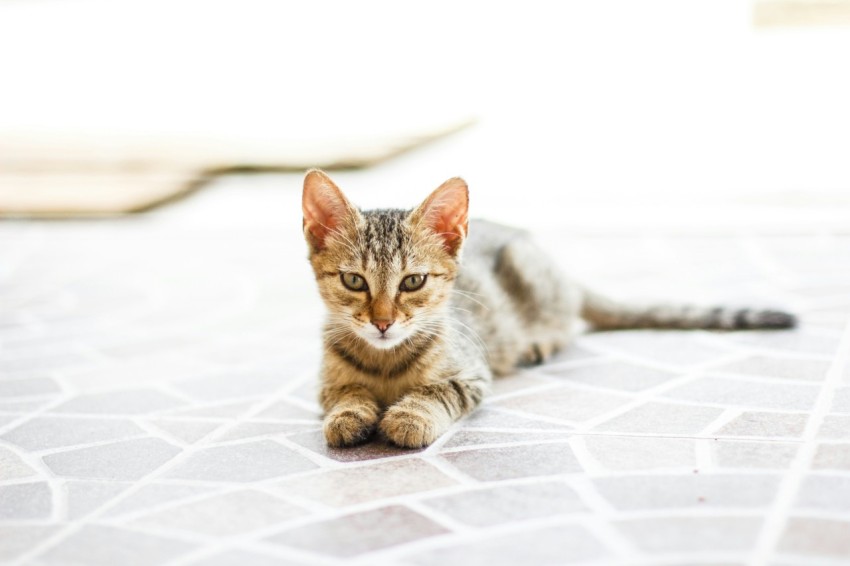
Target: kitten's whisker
[
  {"x": 437, "y": 323},
  {"x": 468, "y": 296},
  {"x": 460, "y": 309},
  {"x": 474, "y": 334}
]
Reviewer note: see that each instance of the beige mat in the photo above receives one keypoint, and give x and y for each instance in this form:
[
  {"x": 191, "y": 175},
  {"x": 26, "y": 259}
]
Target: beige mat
[
  {"x": 801, "y": 13},
  {"x": 69, "y": 178}
]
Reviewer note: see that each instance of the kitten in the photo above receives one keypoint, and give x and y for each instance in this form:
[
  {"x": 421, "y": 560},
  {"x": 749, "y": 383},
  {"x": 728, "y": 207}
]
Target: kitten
[{"x": 414, "y": 333}]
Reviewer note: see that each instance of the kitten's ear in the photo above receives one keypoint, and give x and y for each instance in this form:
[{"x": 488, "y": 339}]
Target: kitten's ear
[
  {"x": 324, "y": 207},
  {"x": 446, "y": 212}
]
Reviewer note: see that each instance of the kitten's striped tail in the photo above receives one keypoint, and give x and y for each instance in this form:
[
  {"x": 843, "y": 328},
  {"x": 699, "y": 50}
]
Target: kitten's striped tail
[{"x": 606, "y": 314}]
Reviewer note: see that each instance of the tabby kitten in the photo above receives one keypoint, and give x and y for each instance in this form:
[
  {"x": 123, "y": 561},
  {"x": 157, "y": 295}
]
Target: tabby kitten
[{"x": 414, "y": 334}]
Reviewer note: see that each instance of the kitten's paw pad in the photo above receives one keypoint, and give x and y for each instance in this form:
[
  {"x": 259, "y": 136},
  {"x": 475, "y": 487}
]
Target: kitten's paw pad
[
  {"x": 348, "y": 428},
  {"x": 408, "y": 429}
]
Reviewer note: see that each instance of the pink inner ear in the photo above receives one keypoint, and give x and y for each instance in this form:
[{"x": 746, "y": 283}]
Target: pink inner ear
[
  {"x": 446, "y": 210},
  {"x": 323, "y": 206}
]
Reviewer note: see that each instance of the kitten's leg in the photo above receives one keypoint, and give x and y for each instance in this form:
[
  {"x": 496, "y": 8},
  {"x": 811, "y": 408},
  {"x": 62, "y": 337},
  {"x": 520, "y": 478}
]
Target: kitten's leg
[
  {"x": 423, "y": 414},
  {"x": 540, "y": 349},
  {"x": 547, "y": 303},
  {"x": 351, "y": 414}
]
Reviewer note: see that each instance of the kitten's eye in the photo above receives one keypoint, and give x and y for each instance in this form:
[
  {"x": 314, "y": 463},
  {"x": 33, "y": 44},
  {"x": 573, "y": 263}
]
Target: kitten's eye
[
  {"x": 353, "y": 282},
  {"x": 413, "y": 282}
]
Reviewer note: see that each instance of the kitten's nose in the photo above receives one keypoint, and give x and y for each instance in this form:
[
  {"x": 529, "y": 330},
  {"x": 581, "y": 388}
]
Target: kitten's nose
[{"x": 382, "y": 324}]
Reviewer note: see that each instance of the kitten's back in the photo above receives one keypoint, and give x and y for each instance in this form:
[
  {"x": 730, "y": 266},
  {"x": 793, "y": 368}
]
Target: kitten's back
[{"x": 513, "y": 296}]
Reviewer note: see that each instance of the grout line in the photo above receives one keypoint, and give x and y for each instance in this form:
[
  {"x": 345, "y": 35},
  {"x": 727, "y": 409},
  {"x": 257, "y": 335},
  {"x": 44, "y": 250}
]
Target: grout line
[
  {"x": 586, "y": 460},
  {"x": 451, "y": 524},
  {"x": 637, "y": 400},
  {"x": 28, "y": 416},
  {"x": 499, "y": 397},
  {"x": 724, "y": 418},
  {"x": 777, "y": 517},
  {"x": 59, "y": 501}
]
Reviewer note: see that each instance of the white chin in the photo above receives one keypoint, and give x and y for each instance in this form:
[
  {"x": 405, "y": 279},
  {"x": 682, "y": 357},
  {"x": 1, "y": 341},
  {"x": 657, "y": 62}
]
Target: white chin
[{"x": 384, "y": 342}]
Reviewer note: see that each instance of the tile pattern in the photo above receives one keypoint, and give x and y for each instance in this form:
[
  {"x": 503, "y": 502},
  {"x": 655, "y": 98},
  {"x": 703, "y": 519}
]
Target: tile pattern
[{"x": 157, "y": 406}]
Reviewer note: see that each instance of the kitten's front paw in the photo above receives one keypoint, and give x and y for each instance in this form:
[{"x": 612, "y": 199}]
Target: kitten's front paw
[
  {"x": 408, "y": 429},
  {"x": 349, "y": 427}
]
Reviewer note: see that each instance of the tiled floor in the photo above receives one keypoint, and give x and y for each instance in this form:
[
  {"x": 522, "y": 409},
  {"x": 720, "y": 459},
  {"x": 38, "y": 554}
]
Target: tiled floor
[{"x": 157, "y": 406}]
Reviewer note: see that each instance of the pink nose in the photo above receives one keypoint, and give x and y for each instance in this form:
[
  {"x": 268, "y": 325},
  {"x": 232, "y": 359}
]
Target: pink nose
[{"x": 382, "y": 324}]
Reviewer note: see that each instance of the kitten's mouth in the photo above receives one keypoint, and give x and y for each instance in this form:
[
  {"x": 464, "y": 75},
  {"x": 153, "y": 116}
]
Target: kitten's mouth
[{"x": 383, "y": 341}]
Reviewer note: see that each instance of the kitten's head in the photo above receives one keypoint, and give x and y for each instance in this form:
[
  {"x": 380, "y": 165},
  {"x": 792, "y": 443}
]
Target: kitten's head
[{"x": 385, "y": 275}]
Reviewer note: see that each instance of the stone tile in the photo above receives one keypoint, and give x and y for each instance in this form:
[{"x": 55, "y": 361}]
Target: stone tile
[
  {"x": 753, "y": 455},
  {"x": 25, "y": 501},
  {"x": 464, "y": 438},
  {"x": 562, "y": 544},
  {"x": 736, "y": 393},
  {"x": 765, "y": 424},
  {"x": 570, "y": 404},
  {"x": 28, "y": 387},
  {"x": 308, "y": 392},
  {"x": 186, "y": 431},
  {"x": 245, "y": 558},
  {"x": 128, "y": 460},
  {"x": 373, "y": 450},
  {"x": 825, "y": 493},
  {"x": 810, "y": 536},
  {"x": 613, "y": 375},
  {"x": 251, "y": 461},
  {"x": 780, "y": 368},
  {"x": 692, "y": 534},
  {"x": 826, "y": 319},
  {"x": 663, "y": 418},
  {"x": 517, "y": 382},
  {"x": 87, "y": 496},
  {"x": 832, "y": 457},
  {"x": 22, "y": 407},
  {"x": 124, "y": 402},
  {"x": 46, "y": 362},
  {"x": 660, "y": 346},
  {"x": 511, "y": 462},
  {"x": 835, "y": 427},
  {"x": 630, "y": 493},
  {"x": 222, "y": 411},
  {"x": 487, "y": 418},
  {"x": 828, "y": 290},
  {"x": 96, "y": 545},
  {"x": 368, "y": 483},
  {"x": 232, "y": 386},
  {"x": 12, "y": 467},
  {"x": 43, "y": 433},
  {"x": 155, "y": 495},
  {"x": 787, "y": 340},
  {"x": 263, "y": 429},
  {"x": 641, "y": 453},
  {"x": 841, "y": 401},
  {"x": 356, "y": 534},
  {"x": 16, "y": 540},
  {"x": 154, "y": 368},
  {"x": 509, "y": 503},
  {"x": 287, "y": 411},
  {"x": 223, "y": 515},
  {"x": 573, "y": 353}
]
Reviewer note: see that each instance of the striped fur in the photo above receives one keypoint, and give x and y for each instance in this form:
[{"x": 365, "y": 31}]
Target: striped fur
[
  {"x": 406, "y": 364},
  {"x": 605, "y": 314}
]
